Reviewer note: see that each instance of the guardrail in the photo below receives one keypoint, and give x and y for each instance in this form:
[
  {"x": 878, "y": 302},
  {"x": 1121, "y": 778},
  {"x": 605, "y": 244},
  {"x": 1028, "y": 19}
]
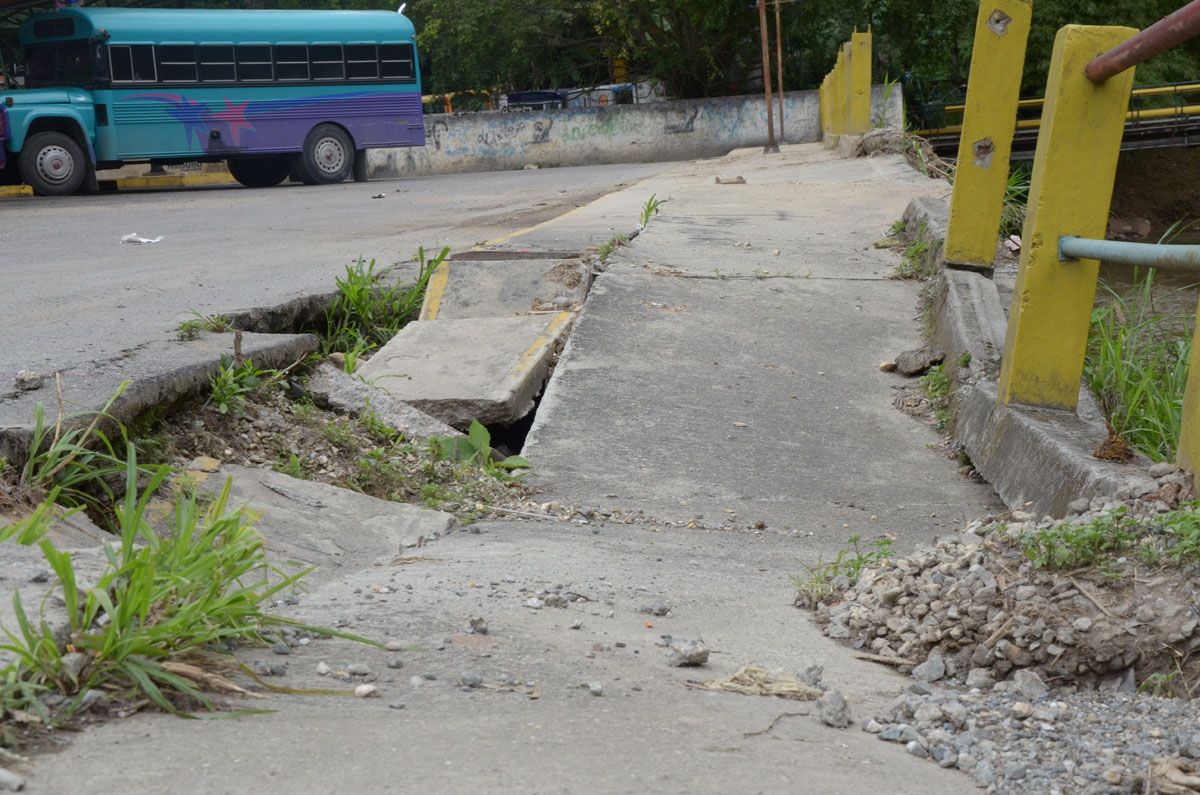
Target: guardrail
[
  {"x": 845, "y": 92},
  {"x": 1074, "y": 168}
]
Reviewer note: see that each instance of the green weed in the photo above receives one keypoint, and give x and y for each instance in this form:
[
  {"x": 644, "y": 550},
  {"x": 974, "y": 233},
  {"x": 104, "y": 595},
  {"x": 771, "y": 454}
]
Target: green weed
[
  {"x": 1137, "y": 367},
  {"x": 365, "y": 314},
  {"x": 291, "y": 466},
  {"x": 476, "y": 448},
  {"x": 1162, "y": 685},
  {"x": 605, "y": 251},
  {"x": 881, "y": 121},
  {"x": 231, "y": 384},
  {"x": 159, "y": 599},
  {"x": 190, "y": 329},
  {"x": 937, "y": 386},
  {"x": 1016, "y": 197},
  {"x": 965, "y": 359},
  {"x": 820, "y": 581},
  {"x": 650, "y": 209},
  {"x": 911, "y": 265},
  {"x": 1067, "y": 546}
]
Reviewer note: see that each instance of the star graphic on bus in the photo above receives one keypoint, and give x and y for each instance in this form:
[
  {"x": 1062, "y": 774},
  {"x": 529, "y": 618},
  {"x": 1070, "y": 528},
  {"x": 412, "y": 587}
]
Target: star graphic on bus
[{"x": 235, "y": 117}]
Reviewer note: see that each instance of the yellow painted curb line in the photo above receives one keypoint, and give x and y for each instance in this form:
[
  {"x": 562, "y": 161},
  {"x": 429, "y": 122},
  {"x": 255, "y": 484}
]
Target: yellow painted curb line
[
  {"x": 172, "y": 181},
  {"x": 530, "y": 357},
  {"x": 434, "y": 292},
  {"x": 15, "y": 190}
]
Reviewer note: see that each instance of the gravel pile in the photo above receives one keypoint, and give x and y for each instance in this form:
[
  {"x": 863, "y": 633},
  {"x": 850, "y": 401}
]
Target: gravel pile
[
  {"x": 1023, "y": 738},
  {"x": 976, "y": 602},
  {"x": 1037, "y": 679}
]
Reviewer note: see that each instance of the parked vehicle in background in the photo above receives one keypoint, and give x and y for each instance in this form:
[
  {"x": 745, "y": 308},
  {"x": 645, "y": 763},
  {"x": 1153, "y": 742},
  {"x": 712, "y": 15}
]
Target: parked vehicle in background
[{"x": 272, "y": 93}]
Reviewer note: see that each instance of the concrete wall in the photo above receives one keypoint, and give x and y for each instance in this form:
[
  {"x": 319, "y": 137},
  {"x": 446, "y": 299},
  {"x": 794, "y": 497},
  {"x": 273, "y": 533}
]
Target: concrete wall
[{"x": 657, "y": 131}]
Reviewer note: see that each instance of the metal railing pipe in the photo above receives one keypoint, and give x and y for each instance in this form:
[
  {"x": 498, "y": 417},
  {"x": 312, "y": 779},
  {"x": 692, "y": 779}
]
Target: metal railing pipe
[
  {"x": 1180, "y": 259},
  {"x": 1168, "y": 32}
]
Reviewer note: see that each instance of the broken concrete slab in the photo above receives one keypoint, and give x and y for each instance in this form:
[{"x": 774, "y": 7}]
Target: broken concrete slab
[
  {"x": 159, "y": 374},
  {"x": 493, "y": 288},
  {"x": 332, "y": 388},
  {"x": 486, "y": 369},
  {"x": 315, "y": 524}
]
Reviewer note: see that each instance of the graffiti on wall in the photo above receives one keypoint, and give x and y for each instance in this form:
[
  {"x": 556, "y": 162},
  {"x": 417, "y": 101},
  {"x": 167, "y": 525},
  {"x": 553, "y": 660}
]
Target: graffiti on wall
[{"x": 682, "y": 125}]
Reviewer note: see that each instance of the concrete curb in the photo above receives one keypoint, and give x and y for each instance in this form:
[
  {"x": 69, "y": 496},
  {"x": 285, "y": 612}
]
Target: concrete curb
[
  {"x": 12, "y": 191},
  {"x": 139, "y": 183},
  {"x": 174, "y": 371},
  {"x": 1037, "y": 460}
]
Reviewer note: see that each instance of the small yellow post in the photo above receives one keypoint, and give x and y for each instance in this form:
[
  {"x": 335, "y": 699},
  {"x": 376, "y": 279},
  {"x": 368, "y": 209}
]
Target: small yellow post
[
  {"x": 1188, "y": 456},
  {"x": 1073, "y": 172},
  {"x": 977, "y": 203},
  {"x": 860, "y": 83}
]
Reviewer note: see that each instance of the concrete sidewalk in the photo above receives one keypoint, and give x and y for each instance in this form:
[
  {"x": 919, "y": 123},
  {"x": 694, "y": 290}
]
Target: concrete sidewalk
[{"x": 709, "y": 381}]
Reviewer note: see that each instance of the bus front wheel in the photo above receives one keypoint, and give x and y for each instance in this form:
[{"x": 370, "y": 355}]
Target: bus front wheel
[
  {"x": 52, "y": 164},
  {"x": 258, "y": 172},
  {"x": 327, "y": 157}
]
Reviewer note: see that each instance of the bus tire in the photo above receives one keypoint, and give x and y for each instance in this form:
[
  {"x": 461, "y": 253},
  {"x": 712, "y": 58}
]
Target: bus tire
[
  {"x": 258, "y": 172},
  {"x": 327, "y": 157},
  {"x": 52, "y": 164}
]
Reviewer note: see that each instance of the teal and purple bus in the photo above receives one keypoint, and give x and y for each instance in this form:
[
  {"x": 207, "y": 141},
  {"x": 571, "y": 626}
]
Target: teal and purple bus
[{"x": 275, "y": 94}]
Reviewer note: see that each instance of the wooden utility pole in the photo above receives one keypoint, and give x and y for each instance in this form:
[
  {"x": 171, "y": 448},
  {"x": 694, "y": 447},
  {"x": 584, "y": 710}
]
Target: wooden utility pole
[{"x": 766, "y": 73}]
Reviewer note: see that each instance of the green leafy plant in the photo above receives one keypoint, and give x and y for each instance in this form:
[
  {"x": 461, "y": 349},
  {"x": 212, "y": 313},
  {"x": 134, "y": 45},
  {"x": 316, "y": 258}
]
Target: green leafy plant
[
  {"x": 881, "y": 121},
  {"x": 365, "y": 314},
  {"x": 159, "y": 599},
  {"x": 911, "y": 265},
  {"x": 232, "y": 383},
  {"x": 605, "y": 251},
  {"x": 965, "y": 359},
  {"x": 75, "y": 459},
  {"x": 936, "y": 383},
  {"x": 1068, "y": 546},
  {"x": 1161, "y": 684},
  {"x": 820, "y": 580},
  {"x": 476, "y": 448},
  {"x": 650, "y": 209},
  {"x": 291, "y": 466},
  {"x": 190, "y": 329},
  {"x": 1137, "y": 366}
]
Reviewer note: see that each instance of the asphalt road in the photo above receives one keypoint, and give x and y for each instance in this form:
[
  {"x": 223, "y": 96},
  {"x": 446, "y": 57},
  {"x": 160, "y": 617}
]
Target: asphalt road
[{"x": 72, "y": 296}]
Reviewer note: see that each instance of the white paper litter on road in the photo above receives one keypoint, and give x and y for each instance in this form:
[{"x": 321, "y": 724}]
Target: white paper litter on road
[{"x": 137, "y": 240}]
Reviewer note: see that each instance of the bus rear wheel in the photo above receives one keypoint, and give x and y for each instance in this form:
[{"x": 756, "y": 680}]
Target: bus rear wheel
[
  {"x": 258, "y": 172},
  {"x": 52, "y": 164},
  {"x": 327, "y": 157}
]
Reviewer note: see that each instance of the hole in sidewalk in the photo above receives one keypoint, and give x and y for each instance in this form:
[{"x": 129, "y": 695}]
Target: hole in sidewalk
[{"x": 510, "y": 439}]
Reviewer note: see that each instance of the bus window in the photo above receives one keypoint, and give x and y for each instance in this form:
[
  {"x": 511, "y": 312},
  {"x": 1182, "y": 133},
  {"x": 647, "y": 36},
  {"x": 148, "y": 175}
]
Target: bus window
[
  {"x": 60, "y": 63},
  {"x": 216, "y": 63},
  {"x": 177, "y": 63},
  {"x": 396, "y": 60},
  {"x": 291, "y": 62},
  {"x": 362, "y": 61},
  {"x": 254, "y": 62},
  {"x": 327, "y": 62},
  {"x": 132, "y": 64}
]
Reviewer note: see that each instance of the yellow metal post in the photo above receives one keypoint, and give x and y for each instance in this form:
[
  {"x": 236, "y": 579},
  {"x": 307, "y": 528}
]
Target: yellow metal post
[
  {"x": 993, "y": 91},
  {"x": 1188, "y": 456},
  {"x": 860, "y": 83},
  {"x": 1073, "y": 171}
]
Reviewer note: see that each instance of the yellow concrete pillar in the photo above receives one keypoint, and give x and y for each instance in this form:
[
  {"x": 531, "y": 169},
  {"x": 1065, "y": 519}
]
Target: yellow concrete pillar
[
  {"x": 1188, "y": 456},
  {"x": 836, "y": 88},
  {"x": 1073, "y": 172},
  {"x": 997, "y": 59},
  {"x": 823, "y": 104},
  {"x": 860, "y": 83},
  {"x": 846, "y": 87}
]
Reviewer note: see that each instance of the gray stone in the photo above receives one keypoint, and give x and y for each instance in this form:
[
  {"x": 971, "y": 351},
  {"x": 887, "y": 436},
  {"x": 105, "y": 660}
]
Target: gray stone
[
  {"x": 811, "y": 674},
  {"x": 918, "y": 689},
  {"x": 358, "y": 669},
  {"x": 919, "y": 360},
  {"x": 470, "y": 680},
  {"x": 834, "y": 710},
  {"x": 981, "y": 678},
  {"x": 955, "y": 712},
  {"x": 872, "y": 726},
  {"x": 11, "y": 781},
  {"x": 927, "y": 714},
  {"x": 394, "y": 662},
  {"x": 332, "y": 388},
  {"x": 1028, "y": 685},
  {"x": 931, "y": 670},
  {"x": 1161, "y": 469},
  {"x": 1079, "y": 506},
  {"x": 595, "y": 688},
  {"x": 28, "y": 381},
  {"x": 916, "y": 749},
  {"x": 478, "y": 625},
  {"x": 1082, "y": 624},
  {"x": 278, "y": 670},
  {"x": 280, "y": 647},
  {"x": 687, "y": 652}
]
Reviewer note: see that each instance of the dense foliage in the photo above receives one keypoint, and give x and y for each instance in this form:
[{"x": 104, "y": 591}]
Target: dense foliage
[{"x": 712, "y": 47}]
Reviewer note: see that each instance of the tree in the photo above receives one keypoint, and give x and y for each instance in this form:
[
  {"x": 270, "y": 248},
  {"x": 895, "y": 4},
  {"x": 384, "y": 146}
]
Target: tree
[{"x": 696, "y": 48}]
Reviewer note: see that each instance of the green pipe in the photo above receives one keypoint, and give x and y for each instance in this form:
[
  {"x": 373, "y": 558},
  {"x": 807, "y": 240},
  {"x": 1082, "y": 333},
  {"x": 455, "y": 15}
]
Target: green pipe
[{"x": 1182, "y": 259}]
